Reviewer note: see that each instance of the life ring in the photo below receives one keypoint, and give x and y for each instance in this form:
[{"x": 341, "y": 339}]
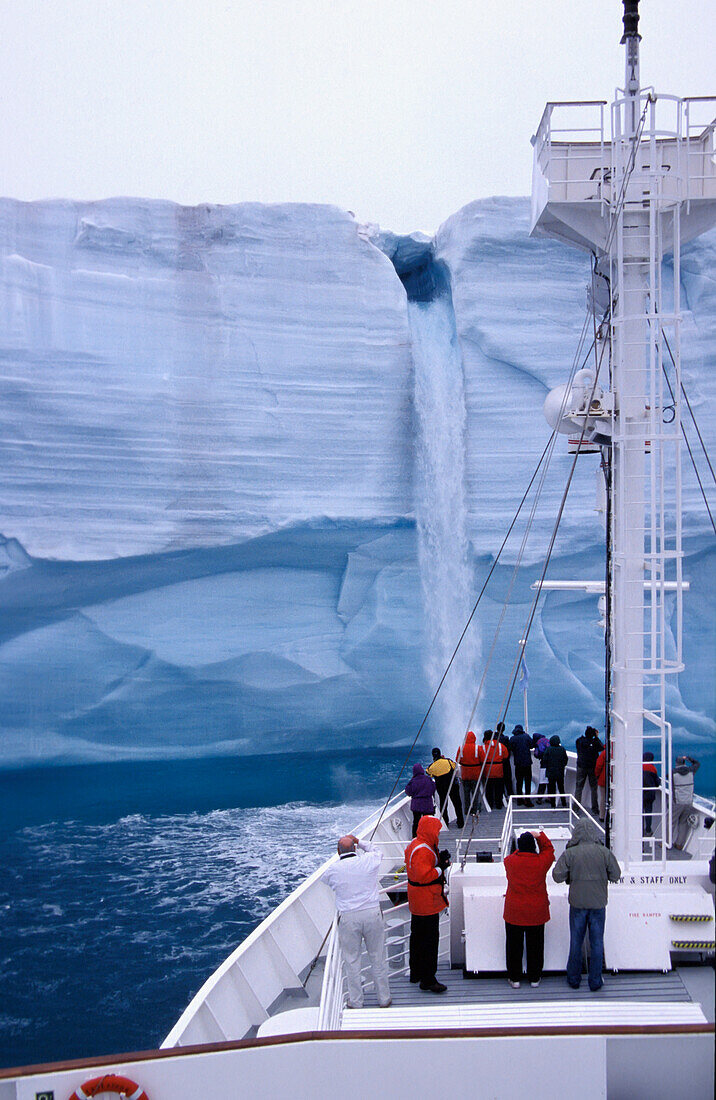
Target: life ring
[{"x": 110, "y": 1082}]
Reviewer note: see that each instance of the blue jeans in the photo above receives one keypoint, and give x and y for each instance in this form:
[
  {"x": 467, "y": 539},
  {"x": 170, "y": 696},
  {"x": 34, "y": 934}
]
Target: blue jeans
[{"x": 579, "y": 921}]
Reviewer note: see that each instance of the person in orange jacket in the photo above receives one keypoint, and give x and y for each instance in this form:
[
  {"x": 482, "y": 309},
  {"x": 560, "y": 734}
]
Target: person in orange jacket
[
  {"x": 466, "y": 757},
  {"x": 600, "y": 770},
  {"x": 424, "y": 866},
  {"x": 493, "y": 754}
]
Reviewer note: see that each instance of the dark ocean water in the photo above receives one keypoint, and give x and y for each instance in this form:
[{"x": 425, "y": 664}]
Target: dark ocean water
[{"x": 124, "y": 885}]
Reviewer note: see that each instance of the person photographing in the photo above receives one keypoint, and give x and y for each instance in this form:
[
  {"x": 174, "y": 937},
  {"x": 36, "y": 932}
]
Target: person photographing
[
  {"x": 527, "y": 906},
  {"x": 354, "y": 880}
]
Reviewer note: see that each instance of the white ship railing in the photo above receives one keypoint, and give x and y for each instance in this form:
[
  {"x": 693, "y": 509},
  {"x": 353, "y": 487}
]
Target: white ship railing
[
  {"x": 570, "y": 143},
  {"x": 329, "y": 1011},
  {"x": 570, "y": 155},
  {"x": 275, "y": 959},
  {"x": 397, "y": 921},
  {"x": 550, "y": 815}
]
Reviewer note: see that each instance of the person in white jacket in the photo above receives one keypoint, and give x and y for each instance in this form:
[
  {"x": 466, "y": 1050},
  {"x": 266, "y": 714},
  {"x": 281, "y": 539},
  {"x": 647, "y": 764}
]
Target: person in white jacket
[{"x": 354, "y": 882}]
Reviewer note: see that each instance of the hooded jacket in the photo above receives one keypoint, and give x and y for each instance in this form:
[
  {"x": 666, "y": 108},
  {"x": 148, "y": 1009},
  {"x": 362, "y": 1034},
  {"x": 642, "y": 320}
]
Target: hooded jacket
[
  {"x": 425, "y": 879},
  {"x": 495, "y": 753},
  {"x": 521, "y": 748},
  {"x": 554, "y": 759},
  {"x": 467, "y": 758},
  {"x": 421, "y": 789},
  {"x": 526, "y": 901},
  {"x": 587, "y": 866}
]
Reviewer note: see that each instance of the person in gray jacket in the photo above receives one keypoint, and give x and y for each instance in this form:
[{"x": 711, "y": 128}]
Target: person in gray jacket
[
  {"x": 682, "y": 799},
  {"x": 588, "y": 867}
]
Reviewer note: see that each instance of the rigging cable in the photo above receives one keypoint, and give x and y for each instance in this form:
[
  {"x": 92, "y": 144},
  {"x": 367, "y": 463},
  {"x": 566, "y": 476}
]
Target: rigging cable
[
  {"x": 607, "y": 468},
  {"x": 504, "y": 707},
  {"x": 505, "y": 603},
  {"x": 619, "y": 206},
  {"x": 606, "y": 464},
  {"x": 688, "y": 403},
  {"x": 635, "y": 141},
  {"x": 693, "y": 460},
  {"x": 551, "y": 445},
  {"x": 464, "y": 632},
  {"x": 621, "y": 199},
  {"x": 686, "y": 438}
]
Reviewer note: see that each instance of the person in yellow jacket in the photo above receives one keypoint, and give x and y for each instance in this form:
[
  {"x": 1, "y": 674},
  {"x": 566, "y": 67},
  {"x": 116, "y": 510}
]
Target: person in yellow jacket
[{"x": 442, "y": 771}]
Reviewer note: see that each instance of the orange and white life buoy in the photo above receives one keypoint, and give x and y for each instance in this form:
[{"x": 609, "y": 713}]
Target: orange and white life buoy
[{"x": 110, "y": 1082}]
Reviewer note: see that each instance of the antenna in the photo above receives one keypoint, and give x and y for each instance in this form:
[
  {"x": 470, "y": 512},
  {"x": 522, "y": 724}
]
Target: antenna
[
  {"x": 631, "y": 38},
  {"x": 631, "y": 20}
]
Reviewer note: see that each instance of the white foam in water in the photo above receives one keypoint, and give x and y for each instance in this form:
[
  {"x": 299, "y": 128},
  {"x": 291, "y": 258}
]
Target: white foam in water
[
  {"x": 188, "y": 862},
  {"x": 150, "y": 906}
]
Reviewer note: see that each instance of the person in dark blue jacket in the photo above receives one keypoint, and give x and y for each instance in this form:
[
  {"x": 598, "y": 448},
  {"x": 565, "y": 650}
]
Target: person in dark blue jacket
[
  {"x": 521, "y": 749},
  {"x": 554, "y": 761},
  {"x": 588, "y": 749}
]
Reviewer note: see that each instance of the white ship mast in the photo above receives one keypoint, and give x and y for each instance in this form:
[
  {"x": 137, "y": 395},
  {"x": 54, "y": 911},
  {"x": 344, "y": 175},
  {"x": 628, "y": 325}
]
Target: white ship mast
[{"x": 630, "y": 199}]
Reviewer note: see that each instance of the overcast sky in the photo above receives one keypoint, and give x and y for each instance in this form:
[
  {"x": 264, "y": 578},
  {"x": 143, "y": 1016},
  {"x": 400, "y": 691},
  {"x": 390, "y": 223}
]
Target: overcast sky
[{"x": 400, "y": 110}]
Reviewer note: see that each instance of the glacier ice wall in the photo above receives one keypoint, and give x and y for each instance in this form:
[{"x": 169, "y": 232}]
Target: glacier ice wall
[{"x": 209, "y": 477}]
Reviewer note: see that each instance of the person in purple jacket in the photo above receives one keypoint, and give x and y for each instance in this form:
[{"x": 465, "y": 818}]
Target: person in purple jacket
[{"x": 421, "y": 789}]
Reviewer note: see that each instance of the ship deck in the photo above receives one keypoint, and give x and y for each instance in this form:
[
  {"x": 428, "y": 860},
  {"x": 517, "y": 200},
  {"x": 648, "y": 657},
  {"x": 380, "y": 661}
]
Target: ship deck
[
  {"x": 682, "y": 985},
  {"x": 461, "y": 990}
]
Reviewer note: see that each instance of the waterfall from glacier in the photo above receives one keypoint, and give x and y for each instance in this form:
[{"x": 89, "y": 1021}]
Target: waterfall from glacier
[
  {"x": 441, "y": 509},
  {"x": 441, "y": 512}
]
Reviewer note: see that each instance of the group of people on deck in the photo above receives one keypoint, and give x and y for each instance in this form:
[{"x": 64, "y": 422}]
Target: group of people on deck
[
  {"x": 489, "y": 766},
  {"x": 502, "y": 766},
  {"x": 586, "y": 864}
]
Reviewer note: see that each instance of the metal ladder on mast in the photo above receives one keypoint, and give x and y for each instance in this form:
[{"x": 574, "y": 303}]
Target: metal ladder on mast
[{"x": 651, "y": 221}]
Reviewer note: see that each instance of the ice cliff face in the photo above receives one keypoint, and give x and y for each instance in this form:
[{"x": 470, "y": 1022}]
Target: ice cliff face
[{"x": 212, "y": 470}]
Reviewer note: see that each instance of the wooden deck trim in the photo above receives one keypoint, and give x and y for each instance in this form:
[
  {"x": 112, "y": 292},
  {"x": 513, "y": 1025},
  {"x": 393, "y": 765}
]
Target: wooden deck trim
[{"x": 615, "y": 1030}]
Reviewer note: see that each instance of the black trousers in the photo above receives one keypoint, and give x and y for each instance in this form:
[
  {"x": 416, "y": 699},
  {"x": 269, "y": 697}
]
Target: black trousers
[
  {"x": 516, "y": 936},
  {"x": 442, "y": 782},
  {"x": 424, "y": 937},
  {"x": 471, "y": 796},
  {"x": 417, "y": 814},
  {"x": 507, "y": 776},
  {"x": 647, "y": 822},
  {"x": 523, "y": 779},
  {"x": 584, "y": 774},
  {"x": 556, "y": 783},
  {"x": 494, "y": 790}
]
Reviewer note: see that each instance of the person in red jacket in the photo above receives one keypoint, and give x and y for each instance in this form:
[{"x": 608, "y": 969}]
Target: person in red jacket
[
  {"x": 426, "y": 901},
  {"x": 466, "y": 757},
  {"x": 527, "y": 906},
  {"x": 493, "y": 754},
  {"x": 600, "y": 770}
]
